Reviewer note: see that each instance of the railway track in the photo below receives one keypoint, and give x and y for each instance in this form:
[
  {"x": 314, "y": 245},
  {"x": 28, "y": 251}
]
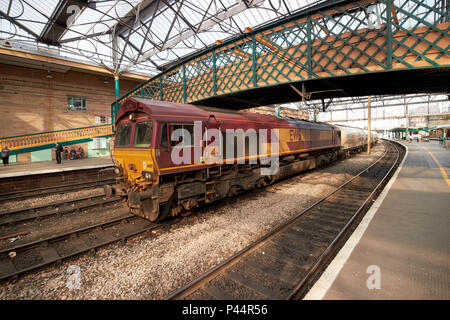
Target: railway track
[
  {"x": 281, "y": 264},
  {"x": 12, "y": 217},
  {"x": 28, "y": 257},
  {"x": 40, "y": 192}
]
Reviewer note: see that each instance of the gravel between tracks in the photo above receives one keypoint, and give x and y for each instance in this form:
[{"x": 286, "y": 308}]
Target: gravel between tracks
[{"x": 151, "y": 268}]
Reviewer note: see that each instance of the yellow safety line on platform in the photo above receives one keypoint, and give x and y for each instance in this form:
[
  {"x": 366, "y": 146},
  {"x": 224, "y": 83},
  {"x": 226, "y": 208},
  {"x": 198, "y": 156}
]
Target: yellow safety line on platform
[{"x": 444, "y": 174}]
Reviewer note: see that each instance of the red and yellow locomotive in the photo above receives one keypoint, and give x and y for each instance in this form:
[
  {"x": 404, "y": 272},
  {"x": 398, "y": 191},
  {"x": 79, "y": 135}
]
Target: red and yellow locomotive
[{"x": 172, "y": 157}]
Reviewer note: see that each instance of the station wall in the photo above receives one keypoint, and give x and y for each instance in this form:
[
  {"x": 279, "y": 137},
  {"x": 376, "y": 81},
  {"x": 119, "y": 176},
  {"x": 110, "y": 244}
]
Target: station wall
[{"x": 32, "y": 102}]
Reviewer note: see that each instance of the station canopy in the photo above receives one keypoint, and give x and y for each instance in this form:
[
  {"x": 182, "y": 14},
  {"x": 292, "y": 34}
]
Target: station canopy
[{"x": 138, "y": 36}]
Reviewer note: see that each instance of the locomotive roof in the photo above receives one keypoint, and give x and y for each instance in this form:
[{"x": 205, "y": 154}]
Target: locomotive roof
[{"x": 171, "y": 111}]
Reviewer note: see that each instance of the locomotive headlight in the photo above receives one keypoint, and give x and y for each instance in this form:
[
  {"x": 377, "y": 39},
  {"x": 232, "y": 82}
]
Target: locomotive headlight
[
  {"x": 119, "y": 171},
  {"x": 147, "y": 175}
]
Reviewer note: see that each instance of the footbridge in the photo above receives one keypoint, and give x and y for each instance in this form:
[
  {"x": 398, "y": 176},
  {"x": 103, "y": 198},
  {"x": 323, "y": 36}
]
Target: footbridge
[
  {"x": 335, "y": 49},
  {"x": 47, "y": 140}
]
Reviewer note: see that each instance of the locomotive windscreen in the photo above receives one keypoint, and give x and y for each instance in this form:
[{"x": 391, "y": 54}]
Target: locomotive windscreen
[
  {"x": 143, "y": 134},
  {"x": 123, "y": 135}
]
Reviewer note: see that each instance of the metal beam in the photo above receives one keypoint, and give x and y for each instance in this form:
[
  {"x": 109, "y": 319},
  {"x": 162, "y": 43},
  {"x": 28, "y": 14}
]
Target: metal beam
[
  {"x": 340, "y": 102},
  {"x": 87, "y": 36},
  {"x": 139, "y": 51},
  {"x": 392, "y": 117},
  {"x": 369, "y": 124},
  {"x": 189, "y": 33},
  {"x": 56, "y": 26},
  {"x": 18, "y": 24},
  {"x": 130, "y": 22}
]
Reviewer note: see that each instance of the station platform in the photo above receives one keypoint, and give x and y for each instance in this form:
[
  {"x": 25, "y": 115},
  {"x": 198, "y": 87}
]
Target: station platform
[
  {"x": 45, "y": 167},
  {"x": 401, "y": 248}
]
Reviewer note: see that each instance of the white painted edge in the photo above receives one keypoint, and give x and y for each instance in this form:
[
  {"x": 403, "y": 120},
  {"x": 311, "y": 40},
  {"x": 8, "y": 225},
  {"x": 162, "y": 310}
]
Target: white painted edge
[
  {"x": 44, "y": 171},
  {"x": 326, "y": 280}
]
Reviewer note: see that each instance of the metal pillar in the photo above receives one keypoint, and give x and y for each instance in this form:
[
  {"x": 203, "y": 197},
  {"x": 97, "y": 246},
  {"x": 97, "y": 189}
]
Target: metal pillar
[
  {"x": 116, "y": 85},
  {"x": 115, "y": 57},
  {"x": 369, "y": 124},
  {"x": 407, "y": 123}
]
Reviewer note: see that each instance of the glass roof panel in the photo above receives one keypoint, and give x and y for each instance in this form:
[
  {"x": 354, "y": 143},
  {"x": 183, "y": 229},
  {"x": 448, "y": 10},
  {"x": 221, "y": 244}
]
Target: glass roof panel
[{"x": 150, "y": 34}]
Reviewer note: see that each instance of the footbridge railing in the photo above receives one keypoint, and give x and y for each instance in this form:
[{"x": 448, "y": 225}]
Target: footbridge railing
[{"x": 45, "y": 140}]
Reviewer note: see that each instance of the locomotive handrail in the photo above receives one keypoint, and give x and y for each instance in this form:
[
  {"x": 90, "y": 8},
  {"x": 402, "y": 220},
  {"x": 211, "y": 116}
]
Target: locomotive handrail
[{"x": 44, "y": 139}]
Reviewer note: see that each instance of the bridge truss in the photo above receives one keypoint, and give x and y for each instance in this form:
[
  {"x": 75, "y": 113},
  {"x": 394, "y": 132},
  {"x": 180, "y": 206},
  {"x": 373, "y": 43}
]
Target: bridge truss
[{"x": 343, "y": 48}]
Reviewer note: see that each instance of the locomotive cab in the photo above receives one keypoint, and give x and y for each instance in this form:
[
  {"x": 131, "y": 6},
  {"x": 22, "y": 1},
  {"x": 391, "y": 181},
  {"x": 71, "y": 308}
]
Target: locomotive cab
[{"x": 134, "y": 157}]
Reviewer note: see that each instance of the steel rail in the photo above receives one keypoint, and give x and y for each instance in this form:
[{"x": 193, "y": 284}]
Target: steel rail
[
  {"x": 198, "y": 282},
  {"x": 25, "y": 194},
  {"x": 32, "y": 213},
  {"x": 68, "y": 234},
  {"x": 326, "y": 252},
  {"x": 146, "y": 227}
]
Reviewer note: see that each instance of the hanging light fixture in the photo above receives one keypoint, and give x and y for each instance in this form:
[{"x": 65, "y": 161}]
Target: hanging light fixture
[{"x": 49, "y": 76}]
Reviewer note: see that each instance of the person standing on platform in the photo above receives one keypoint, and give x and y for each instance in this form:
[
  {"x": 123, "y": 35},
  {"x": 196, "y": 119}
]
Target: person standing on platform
[
  {"x": 80, "y": 152},
  {"x": 58, "y": 150},
  {"x": 72, "y": 153},
  {"x": 5, "y": 155}
]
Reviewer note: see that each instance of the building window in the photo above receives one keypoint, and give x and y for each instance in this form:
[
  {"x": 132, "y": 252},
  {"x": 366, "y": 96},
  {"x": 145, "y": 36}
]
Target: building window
[
  {"x": 98, "y": 119},
  {"x": 76, "y": 103}
]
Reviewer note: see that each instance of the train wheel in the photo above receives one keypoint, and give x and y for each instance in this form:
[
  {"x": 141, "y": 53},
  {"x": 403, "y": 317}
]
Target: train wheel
[
  {"x": 233, "y": 191},
  {"x": 261, "y": 183},
  {"x": 165, "y": 210},
  {"x": 186, "y": 213},
  {"x": 149, "y": 210}
]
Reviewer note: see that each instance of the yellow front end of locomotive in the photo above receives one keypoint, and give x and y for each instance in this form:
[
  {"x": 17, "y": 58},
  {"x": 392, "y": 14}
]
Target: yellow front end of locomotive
[{"x": 137, "y": 166}]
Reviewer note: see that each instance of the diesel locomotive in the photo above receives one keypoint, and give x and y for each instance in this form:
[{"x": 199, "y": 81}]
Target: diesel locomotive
[{"x": 170, "y": 157}]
